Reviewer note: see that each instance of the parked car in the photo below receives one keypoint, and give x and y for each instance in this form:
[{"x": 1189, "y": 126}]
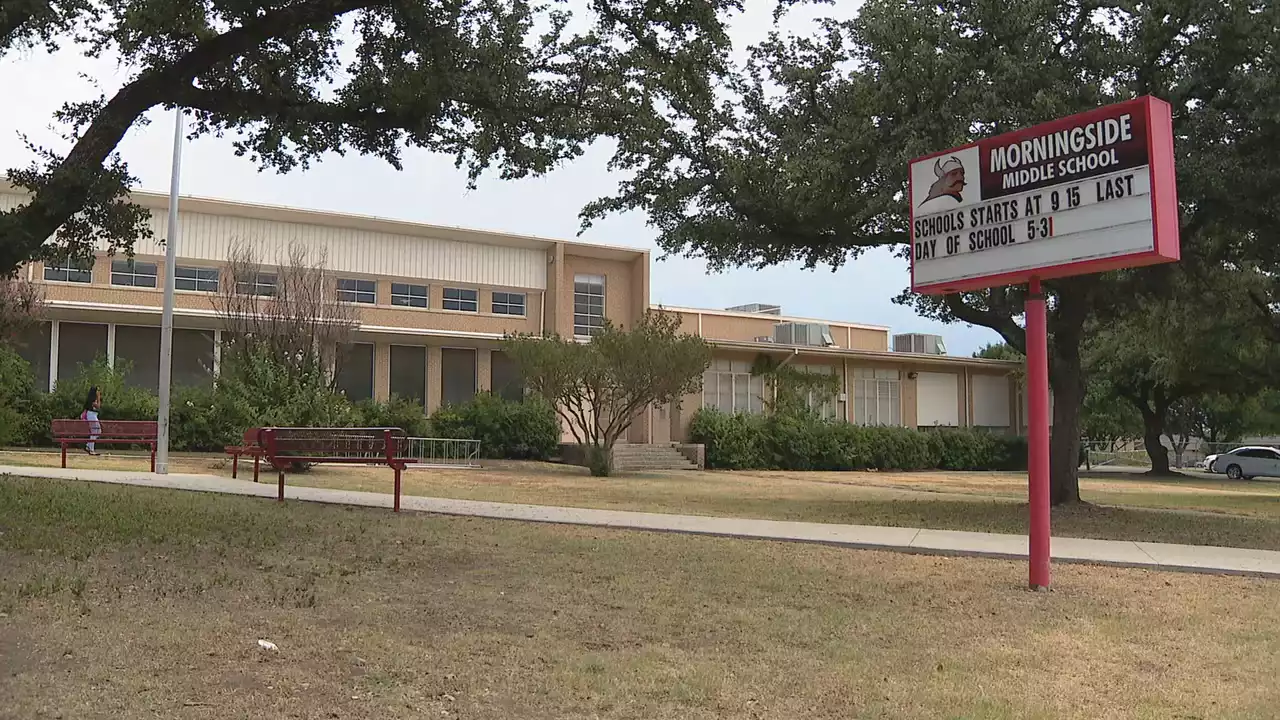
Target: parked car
[{"x": 1245, "y": 463}]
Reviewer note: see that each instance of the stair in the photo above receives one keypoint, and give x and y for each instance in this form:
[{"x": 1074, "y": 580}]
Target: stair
[{"x": 642, "y": 457}]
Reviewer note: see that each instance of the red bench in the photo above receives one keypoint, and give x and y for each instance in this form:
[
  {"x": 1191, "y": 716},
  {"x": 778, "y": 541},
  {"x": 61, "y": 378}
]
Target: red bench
[
  {"x": 251, "y": 446},
  {"x": 110, "y": 432},
  {"x": 283, "y": 447}
]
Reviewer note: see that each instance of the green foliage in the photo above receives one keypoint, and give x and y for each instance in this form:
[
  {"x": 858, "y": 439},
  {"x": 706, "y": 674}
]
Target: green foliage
[
  {"x": 510, "y": 430},
  {"x": 257, "y": 390},
  {"x": 518, "y": 87},
  {"x": 791, "y": 387},
  {"x": 198, "y": 421},
  {"x": 598, "y": 388},
  {"x": 397, "y": 412},
  {"x": 802, "y": 442},
  {"x": 120, "y": 401},
  {"x": 21, "y": 406}
]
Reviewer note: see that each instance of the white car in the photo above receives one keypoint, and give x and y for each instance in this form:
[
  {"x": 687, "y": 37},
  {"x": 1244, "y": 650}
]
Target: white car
[{"x": 1245, "y": 463}]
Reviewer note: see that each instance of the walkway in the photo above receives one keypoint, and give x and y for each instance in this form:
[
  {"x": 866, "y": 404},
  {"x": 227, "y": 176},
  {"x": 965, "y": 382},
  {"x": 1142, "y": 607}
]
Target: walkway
[{"x": 1123, "y": 553}]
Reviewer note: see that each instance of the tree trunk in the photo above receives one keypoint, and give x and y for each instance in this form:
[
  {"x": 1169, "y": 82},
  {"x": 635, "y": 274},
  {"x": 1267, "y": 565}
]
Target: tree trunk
[
  {"x": 1064, "y": 438},
  {"x": 1152, "y": 432}
]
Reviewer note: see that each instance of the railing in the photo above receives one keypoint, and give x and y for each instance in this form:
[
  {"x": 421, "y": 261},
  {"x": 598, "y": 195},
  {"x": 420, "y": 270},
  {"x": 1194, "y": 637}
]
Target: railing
[{"x": 442, "y": 452}]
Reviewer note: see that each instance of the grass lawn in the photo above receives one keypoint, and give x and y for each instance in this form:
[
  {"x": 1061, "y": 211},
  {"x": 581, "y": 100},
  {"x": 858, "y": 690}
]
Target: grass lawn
[
  {"x": 125, "y": 603},
  {"x": 1210, "y": 511}
]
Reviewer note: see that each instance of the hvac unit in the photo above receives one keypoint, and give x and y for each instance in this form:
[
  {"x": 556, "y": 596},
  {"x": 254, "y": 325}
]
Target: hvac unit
[
  {"x": 757, "y": 308},
  {"x": 920, "y": 344},
  {"x": 808, "y": 334}
]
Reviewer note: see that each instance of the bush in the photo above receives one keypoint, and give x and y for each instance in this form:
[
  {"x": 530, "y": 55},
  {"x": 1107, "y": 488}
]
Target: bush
[
  {"x": 733, "y": 442},
  {"x": 804, "y": 442},
  {"x": 119, "y": 400},
  {"x": 254, "y": 389},
  {"x": 22, "y": 409},
  {"x": 514, "y": 431},
  {"x": 199, "y": 422},
  {"x": 404, "y": 414}
]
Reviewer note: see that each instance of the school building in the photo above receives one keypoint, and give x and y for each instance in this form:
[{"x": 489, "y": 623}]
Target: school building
[{"x": 433, "y": 304}]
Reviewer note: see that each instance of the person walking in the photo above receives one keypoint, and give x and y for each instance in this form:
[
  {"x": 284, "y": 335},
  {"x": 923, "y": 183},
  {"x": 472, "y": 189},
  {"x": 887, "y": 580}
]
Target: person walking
[{"x": 92, "y": 405}]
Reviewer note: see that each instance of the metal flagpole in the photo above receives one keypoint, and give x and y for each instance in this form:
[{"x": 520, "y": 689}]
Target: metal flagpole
[{"x": 166, "y": 323}]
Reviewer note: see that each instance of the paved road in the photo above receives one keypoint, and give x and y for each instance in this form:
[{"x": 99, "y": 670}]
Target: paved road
[{"x": 1158, "y": 556}]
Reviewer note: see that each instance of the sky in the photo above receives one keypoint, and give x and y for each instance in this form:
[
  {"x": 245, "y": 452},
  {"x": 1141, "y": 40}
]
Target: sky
[{"x": 431, "y": 190}]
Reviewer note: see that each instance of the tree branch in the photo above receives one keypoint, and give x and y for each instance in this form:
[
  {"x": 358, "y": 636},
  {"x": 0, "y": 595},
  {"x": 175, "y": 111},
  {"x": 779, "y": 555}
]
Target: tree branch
[{"x": 73, "y": 182}]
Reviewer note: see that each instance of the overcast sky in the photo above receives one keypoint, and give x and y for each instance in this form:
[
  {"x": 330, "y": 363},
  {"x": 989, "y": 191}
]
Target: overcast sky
[{"x": 430, "y": 190}]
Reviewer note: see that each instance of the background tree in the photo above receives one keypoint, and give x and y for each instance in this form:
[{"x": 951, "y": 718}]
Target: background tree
[
  {"x": 806, "y": 159},
  {"x": 21, "y": 306},
  {"x": 1171, "y": 351},
  {"x": 599, "y": 387},
  {"x": 495, "y": 83}
]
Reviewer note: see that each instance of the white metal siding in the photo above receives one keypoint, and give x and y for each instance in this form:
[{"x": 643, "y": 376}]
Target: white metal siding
[
  {"x": 990, "y": 401},
  {"x": 211, "y": 237},
  {"x": 937, "y": 399}
]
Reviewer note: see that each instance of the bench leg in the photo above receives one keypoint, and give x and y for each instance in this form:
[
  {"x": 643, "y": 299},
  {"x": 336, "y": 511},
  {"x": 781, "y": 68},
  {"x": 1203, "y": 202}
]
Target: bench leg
[
  {"x": 256, "y": 458},
  {"x": 280, "y": 488},
  {"x": 235, "y": 464},
  {"x": 153, "y": 457},
  {"x": 397, "y": 500},
  {"x": 64, "y": 455}
]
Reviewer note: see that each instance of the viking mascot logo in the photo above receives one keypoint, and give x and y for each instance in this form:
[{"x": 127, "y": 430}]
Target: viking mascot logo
[{"x": 950, "y": 182}]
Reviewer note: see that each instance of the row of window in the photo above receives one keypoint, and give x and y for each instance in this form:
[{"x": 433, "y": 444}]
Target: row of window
[
  {"x": 131, "y": 273},
  {"x": 729, "y": 386}
]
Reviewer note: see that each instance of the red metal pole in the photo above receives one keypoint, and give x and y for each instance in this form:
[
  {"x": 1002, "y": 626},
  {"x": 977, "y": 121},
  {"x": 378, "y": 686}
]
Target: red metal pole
[
  {"x": 397, "y": 505},
  {"x": 1038, "y": 435},
  {"x": 280, "y": 487}
]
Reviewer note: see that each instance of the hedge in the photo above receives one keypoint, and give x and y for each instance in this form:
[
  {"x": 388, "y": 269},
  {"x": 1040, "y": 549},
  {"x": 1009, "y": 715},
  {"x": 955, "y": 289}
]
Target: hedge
[
  {"x": 789, "y": 442},
  {"x": 208, "y": 419}
]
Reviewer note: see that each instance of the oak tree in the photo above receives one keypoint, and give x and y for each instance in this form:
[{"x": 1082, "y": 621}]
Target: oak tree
[
  {"x": 516, "y": 85},
  {"x": 805, "y": 158}
]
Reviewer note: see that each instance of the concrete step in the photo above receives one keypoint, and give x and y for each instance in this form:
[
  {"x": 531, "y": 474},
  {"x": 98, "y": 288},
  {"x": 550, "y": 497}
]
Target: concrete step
[{"x": 650, "y": 457}]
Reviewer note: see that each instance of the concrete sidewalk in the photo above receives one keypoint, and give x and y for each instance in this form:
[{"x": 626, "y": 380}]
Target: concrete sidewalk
[{"x": 1123, "y": 553}]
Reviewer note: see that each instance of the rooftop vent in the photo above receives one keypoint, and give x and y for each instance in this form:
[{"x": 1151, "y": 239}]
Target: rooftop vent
[
  {"x": 757, "y": 308},
  {"x": 920, "y": 344}
]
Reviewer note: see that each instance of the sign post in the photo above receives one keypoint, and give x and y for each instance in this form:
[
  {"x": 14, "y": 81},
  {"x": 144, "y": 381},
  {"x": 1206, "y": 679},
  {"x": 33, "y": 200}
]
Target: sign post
[{"x": 1082, "y": 194}]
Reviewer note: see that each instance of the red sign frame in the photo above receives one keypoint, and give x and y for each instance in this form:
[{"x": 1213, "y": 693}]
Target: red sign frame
[{"x": 1166, "y": 247}]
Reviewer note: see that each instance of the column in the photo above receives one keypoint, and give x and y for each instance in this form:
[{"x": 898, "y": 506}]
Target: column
[
  {"x": 217, "y": 352},
  {"x": 484, "y": 370},
  {"x": 54, "y": 327},
  {"x": 381, "y": 372},
  {"x": 111, "y": 345},
  {"x": 433, "y": 378}
]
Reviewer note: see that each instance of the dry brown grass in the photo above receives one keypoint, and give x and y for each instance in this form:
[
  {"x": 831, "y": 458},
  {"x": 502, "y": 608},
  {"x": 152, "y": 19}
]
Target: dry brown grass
[
  {"x": 130, "y": 603},
  {"x": 1212, "y": 511}
]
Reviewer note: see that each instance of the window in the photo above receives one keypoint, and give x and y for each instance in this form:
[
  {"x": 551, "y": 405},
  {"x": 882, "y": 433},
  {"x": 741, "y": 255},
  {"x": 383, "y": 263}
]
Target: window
[
  {"x": 728, "y": 386},
  {"x": 69, "y": 271},
  {"x": 824, "y": 405},
  {"x": 198, "y": 279},
  {"x": 508, "y": 303},
  {"x": 133, "y": 273},
  {"x": 258, "y": 283},
  {"x": 406, "y": 295},
  {"x": 877, "y": 397},
  {"x": 461, "y": 299},
  {"x": 357, "y": 291},
  {"x": 588, "y": 304}
]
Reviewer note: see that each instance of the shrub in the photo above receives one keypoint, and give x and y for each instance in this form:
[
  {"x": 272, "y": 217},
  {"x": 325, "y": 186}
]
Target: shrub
[
  {"x": 515, "y": 431},
  {"x": 733, "y": 442},
  {"x": 255, "y": 389},
  {"x": 199, "y": 422},
  {"x": 22, "y": 409},
  {"x": 119, "y": 400},
  {"x": 407, "y": 415},
  {"x": 800, "y": 441}
]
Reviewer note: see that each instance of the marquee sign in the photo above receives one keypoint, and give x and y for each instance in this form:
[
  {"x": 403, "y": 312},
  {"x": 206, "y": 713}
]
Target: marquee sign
[{"x": 1083, "y": 194}]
